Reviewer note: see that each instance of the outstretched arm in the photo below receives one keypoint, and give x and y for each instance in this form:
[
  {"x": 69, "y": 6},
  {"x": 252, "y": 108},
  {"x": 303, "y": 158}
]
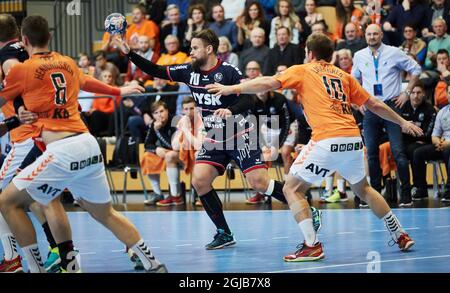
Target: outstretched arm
[
  {"x": 145, "y": 65},
  {"x": 257, "y": 85},
  {"x": 382, "y": 110}
]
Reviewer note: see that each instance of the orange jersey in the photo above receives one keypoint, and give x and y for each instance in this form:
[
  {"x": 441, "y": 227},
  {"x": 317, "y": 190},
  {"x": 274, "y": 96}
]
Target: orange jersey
[
  {"x": 23, "y": 132},
  {"x": 326, "y": 94},
  {"x": 49, "y": 84},
  {"x": 146, "y": 28},
  {"x": 105, "y": 105}
]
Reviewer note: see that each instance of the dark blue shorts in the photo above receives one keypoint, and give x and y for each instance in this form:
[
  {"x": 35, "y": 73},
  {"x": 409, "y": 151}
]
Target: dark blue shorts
[{"x": 246, "y": 159}]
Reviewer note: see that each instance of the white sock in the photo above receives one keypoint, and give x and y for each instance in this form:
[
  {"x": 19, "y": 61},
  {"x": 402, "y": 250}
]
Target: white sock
[
  {"x": 173, "y": 175},
  {"x": 145, "y": 255},
  {"x": 8, "y": 240},
  {"x": 341, "y": 185},
  {"x": 34, "y": 259},
  {"x": 329, "y": 183},
  {"x": 270, "y": 188},
  {"x": 154, "y": 180},
  {"x": 308, "y": 232},
  {"x": 393, "y": 225}
]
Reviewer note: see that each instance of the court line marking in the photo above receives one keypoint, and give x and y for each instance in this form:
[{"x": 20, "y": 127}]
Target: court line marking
[
  {"x": 343, "y": 233},
  {"x": 411, "y": 228},
  {"x": 118, "y": 250},
  {"x": 446, "y": 226},
  {"x": 374, "y": 231},
  {"x": 179, "y": 245},
  {"x": 283, "y": 237},
  {"x": 362, "y": 263},
  {"x": 84, "y": 253},
  {"x": 244, "y": 240}
]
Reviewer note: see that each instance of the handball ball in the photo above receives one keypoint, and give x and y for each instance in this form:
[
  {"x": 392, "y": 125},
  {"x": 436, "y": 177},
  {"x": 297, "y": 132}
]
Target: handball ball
[{"x": 116, "y": 23}]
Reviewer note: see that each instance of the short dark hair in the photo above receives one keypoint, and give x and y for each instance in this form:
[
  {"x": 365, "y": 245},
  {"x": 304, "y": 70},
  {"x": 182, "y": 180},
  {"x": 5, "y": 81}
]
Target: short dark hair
[
  {"x": 285, "y": 28},
  {"x": 420, "y": 84},
  {"x": 197, "y": 7},
  {"x": 442, "y": 51},
  {"x": 187, "y": 100},
  {"x": 321, "y": 46},
  {"x": 410, "y": 25},
  {"x": 141, "y": 7},
  {"x": 208, "y": 37},
  {"x": 35, "y": 28},
  {"x": 99, "y": 53},
  {"x": 157, "y": 104},
  {"x": 9, "y": 27}
]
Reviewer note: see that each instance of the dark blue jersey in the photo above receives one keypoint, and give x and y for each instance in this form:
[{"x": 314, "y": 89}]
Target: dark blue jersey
[
  {"x": 13, "y": 50},
  {"x": 223, "y": 73}
]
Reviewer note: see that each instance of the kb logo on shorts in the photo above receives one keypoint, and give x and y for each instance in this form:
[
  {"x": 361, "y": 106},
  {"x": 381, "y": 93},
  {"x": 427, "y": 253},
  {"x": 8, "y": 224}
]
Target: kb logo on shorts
[{"x": 346, "y": 147}]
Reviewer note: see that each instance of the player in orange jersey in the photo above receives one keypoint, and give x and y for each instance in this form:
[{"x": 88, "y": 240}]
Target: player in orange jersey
[
  {"x": 49, "y": 84},
  {"x": 335, "y": 145}
]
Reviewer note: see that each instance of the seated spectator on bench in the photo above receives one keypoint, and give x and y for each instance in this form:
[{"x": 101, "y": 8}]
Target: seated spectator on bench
[
  {"x": 438, "y": 150},
  {"x": 423, "y": 115},
  {"x": 102, "y": 64},
  {"x": 138, "y": 110}
]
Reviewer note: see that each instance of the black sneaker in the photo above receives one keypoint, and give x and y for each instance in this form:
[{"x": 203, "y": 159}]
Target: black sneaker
[
  {"x": 405, "y": 200},
  {"x": 446, "y": 197},
  {"x": 419, "y": 194},
  {"x": 221, "y": 239}
]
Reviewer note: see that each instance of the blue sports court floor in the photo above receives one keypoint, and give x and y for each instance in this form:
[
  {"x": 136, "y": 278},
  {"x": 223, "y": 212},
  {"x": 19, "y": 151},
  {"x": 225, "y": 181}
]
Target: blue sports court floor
[{"x": 354, "y": 241}]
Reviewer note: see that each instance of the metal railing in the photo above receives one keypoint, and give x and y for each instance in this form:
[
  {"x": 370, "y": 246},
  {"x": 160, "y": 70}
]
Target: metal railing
[{"x": 119, "y": 115}]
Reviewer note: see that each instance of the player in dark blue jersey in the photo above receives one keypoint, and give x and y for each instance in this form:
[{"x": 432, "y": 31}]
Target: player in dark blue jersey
[{"x": 215, "y": 154}]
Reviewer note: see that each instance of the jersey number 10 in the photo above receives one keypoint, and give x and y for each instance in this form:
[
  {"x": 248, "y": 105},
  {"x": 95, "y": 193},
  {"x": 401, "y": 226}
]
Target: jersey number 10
[{"x": 334, "y": 88}]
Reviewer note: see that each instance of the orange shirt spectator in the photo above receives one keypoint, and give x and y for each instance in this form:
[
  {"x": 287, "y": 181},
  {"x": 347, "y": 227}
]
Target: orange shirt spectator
[
  {"x": 346, "y": 12},
  {"x": 142, "y": 27}
]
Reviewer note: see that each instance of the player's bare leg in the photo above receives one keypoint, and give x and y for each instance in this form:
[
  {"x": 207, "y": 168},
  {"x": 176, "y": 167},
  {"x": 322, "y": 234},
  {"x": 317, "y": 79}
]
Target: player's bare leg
[
  {"x": 286, "y": 151},
  {"x": 173, "y": 176},
  {"x": 295, "y": 189},
  {"x": 12, "y": 205},
  {"x": 382, "y": 210},
  {"x": 203, "y": 176}
]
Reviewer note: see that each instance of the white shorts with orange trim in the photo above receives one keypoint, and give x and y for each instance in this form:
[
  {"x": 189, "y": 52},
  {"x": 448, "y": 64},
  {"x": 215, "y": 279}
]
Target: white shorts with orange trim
[
  {"x": 318, "y": 160},
  {"x": 75, "y": 163},
  {"x": 13, "y": 161}
]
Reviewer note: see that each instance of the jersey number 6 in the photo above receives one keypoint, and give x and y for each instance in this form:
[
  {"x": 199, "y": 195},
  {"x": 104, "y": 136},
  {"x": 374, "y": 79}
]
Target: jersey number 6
[{"x": 59, "y": 83}]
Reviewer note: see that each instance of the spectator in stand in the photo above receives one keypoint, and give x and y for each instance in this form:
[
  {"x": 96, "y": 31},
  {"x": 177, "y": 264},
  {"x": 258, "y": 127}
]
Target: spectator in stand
[
  {"x": 113, "y": 54},
  {"x": 409, "y": 11},
  {"x": 344, "y": 60},
  {"x": 173, "y": 26},
  {"x": 322, "y": 28},
  {"x": 207, "y": 5},
  {"x": 310, "y": 16},
  {"x": 174, "y": 55},
  {"x": 284, "y": 52},
  {"x": 224, "y": 52},
  {"x": 440, "y": 92},
  {"x": 286, "y": 17},
  {"x": 183, "y": 6},
  {"x": 224, "y": 27},
  {"x": 347, "y": 12},
  {"x": 135, "y": 74},
  {"x": 252, "y": 17},
  {"x": 141, "y": 26},
  {"x": 441, "y": 41},
  {"x": 438, "y": 150},
  {"x": 440, "y": 65},
  {"x": 373, "y": 10},
  {"x": 438, "y": 9},
  {"x": 100, "y": 118},
  {"x": 196, "y": 22},
  {"x": 85, "y": 64},
  {"x": 352, "y": 41},
  {"x": 257, "y": 52},
  {"x": 413, "y": 45},
  {"x": 101, "y": 64},
  {"x": 423, "y": 115},
  {"x": 155, "y": 9}
]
